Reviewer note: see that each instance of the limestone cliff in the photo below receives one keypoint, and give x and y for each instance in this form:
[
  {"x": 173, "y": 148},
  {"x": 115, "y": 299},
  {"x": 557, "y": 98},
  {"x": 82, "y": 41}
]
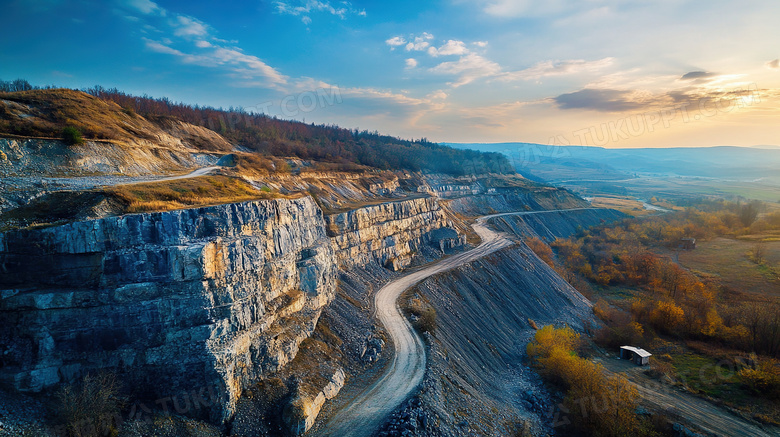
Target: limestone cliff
[
  {"x": 390, "y": 233},
  {"x": 213, "y": 297}
]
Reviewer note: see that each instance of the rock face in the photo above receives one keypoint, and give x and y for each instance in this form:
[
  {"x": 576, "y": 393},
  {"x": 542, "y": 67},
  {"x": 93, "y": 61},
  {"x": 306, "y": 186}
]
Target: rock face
[
  {"x": 210, "y": 298},
  {"x": 300, "y": 414},
  {"x": 390, "y": 233}
]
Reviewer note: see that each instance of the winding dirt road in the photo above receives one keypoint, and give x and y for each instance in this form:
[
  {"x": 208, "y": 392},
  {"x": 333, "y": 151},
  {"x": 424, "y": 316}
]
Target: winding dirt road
[
  {"x": 199, "y": 172},
  {"x": 370, "y": 408}
]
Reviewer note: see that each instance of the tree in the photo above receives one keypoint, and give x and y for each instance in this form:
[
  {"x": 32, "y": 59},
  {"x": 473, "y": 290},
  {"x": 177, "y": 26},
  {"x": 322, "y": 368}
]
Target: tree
[
  {"x": 541, "y": 249},
  {"x": 758, "y": 254},
  {"x": 748, "y": 213},
  {"x": 667, "y": 316}
]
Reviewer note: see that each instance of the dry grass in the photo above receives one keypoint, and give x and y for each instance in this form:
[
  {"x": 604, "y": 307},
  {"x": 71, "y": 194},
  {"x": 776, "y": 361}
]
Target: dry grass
[
  {"x": 89, "y": 408},
  {"x": 45, "y": 113},
  {"x": 727, "y": 261},
  {"x": 419, "y": 310},
  {"x": 628, "y": 205},
  {"x": 65, "y": 206},
  {"x": 185, "y": 193}
]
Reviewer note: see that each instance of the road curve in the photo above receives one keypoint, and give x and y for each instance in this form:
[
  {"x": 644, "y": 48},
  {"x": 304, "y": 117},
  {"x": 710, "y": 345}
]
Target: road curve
[
  {"x": 199, "y": 172},
  {"x": 370, "y": 408}
]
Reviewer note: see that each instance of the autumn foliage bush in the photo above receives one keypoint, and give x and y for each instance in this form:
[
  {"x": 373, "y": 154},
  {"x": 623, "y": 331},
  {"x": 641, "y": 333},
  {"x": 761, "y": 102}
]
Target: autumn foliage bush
[{"x": 600, "y": 403}]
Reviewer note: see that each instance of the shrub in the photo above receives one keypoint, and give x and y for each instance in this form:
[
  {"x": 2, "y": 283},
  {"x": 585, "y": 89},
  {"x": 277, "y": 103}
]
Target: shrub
[
  {"x": 72, "y": 136},
  {"x": 427, "y": 320},
  {"x": 763, "y": 379},
  {"x": 549, "y": 338},
  {"x": 89, "y": 408}
]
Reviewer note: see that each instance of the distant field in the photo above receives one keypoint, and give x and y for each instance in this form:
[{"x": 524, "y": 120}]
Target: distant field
[
  {"x": 678, "y": 187},
  {"x": 627, "y": 205},
  {"x": 727, "y": 260}
]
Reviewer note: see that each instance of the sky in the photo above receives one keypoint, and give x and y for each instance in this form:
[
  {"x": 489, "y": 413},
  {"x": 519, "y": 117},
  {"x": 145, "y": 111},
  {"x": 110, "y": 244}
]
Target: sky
[{"x": 612, "y": 73}]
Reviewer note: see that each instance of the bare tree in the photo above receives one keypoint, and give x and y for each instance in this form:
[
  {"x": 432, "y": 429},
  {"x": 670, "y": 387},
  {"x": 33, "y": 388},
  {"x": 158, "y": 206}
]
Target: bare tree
[{"x": 758, "y": 253}]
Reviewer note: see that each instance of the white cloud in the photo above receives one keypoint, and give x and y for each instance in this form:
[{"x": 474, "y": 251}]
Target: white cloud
[
  {"x": 411, "y": 63},
  {"x": 395, "y": 42},
  {"x": 437, "y": 95},
  {"x": 146, "y": 7},
  {"x": 159, "y": 47},
  {"x": 480, "y": 43},
  {"x": 469, "y": 68},
  {"x": 419, "y": 43},
  {"x": 189, "y": 26},
  {"x": 191, "y": 41},
  {"x": 451, "y": 47},
  {"x": 239, "y": 64},
  {"x": 304, "y": 9},
  {"x": 557, "y": 68}
]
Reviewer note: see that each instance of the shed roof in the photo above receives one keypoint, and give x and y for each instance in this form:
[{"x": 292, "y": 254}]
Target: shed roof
[{"x": 639, "y": 351}]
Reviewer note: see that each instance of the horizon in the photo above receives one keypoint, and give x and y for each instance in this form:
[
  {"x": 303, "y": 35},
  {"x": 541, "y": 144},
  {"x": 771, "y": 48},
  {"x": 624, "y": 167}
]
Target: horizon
[{"x": 466, "y": 71}]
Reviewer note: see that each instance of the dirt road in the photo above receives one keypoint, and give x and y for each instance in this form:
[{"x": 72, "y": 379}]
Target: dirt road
[
  {"x": 199, "y": 172},
  {"x": 370, "y": 408},
  {"x": 691, "y": 409}
]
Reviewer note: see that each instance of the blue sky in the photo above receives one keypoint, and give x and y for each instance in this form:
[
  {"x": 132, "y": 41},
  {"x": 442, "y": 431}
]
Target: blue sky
[{"x": 615, "y": 73}]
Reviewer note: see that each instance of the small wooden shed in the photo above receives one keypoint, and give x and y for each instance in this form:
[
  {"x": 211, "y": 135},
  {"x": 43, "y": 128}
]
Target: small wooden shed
[
  {"x": 687, "y": 243},
  {"x": 639, "y": 356}
]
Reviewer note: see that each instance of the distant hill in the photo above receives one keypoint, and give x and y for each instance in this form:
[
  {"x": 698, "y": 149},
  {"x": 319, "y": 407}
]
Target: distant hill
[{"x": 560, "y": 163}]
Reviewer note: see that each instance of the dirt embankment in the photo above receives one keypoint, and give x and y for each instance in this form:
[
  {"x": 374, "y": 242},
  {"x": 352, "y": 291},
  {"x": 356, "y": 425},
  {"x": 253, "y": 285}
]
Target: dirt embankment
[
  {"x": 549, "y": 225},
  {"x": 476, "y": 383}
]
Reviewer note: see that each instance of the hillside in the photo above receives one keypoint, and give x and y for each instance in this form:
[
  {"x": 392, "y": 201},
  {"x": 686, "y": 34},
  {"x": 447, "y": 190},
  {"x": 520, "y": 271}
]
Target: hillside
[
  {"x": 109, "y": 114},
  {"x": 45, "y": 113}
]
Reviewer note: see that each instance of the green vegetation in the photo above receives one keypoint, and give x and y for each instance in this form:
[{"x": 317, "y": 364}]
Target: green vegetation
[
  {"x": 329, "y": 143},
  {"x": 72, "y": 136}
]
